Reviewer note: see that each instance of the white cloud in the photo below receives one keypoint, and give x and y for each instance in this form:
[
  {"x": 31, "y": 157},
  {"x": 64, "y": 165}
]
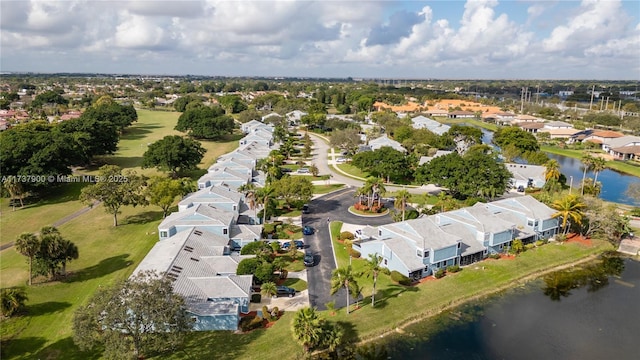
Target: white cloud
[{"x": 327, "y": 38}]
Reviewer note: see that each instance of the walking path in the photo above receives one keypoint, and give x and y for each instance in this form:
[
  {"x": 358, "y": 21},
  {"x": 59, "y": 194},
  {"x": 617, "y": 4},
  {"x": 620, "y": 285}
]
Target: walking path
[{"x": 62, "y": 221}]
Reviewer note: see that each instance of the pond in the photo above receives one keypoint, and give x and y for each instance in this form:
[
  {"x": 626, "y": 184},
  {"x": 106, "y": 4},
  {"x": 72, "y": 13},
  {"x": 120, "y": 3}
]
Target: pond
[
  {"x": 591, "y": 314},
  {"x": 614, "y": 184}
]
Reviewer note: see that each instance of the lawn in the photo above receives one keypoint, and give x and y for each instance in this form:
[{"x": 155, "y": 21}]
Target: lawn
[
  {"x": 151, "y": 127},
  {"x": 353, "y": 171},
  {"x": 622, "y": 166},
  {"x": 392, "y": 302},
  {"x": 107, "y": 254},
  {"x": 39, "y": 212},
  {"x": 324, "y": 189}
]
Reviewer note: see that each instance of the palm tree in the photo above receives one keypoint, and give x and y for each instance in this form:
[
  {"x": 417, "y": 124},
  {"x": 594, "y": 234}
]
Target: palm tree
[
  {"x": 28, "y": 245},
  {"x": 306, "y": 328},
  {"x": 69, "y": 251},
  {"x": 344, "y": 277},
  {"x": 587, "y": 161},
  {"x": 265, "y": 194},
  {"x": 598, "y": 164},
  {"x": 12, "y": 300},
  {"x": 373, "y": 265},
  {"x": 332, "y": 336},
  {"x": 552, "y": 170},
  {"x": 568, "y": 208},
  {"x": 249, "y": 191},
  {"x": 401, "y": 201},
  {"x": 268, "y": 289}
]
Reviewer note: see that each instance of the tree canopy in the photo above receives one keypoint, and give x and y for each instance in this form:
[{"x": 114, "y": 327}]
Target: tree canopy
[
  {"x": 205, "y": 122},
  {"x": 385, "y": 162},
  {"x": 138, "y": 317},
  {"x": 173, "y": 153},
  {"x": 114, "y": 189},
  {"x": 517, "y": 137}
]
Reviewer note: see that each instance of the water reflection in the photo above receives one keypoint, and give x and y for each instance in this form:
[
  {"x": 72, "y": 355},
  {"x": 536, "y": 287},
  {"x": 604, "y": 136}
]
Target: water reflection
[{"x": 594, "y": 277}]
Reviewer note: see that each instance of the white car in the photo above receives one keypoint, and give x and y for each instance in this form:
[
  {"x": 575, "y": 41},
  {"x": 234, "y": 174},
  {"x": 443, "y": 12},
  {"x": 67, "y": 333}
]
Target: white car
[
  {"x": 303, "y": 171},
  {"x": 341, "y": 160}
]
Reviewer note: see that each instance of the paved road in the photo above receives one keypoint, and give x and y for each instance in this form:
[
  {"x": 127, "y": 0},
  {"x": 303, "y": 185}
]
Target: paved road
[{"x": 332, "y": 206}]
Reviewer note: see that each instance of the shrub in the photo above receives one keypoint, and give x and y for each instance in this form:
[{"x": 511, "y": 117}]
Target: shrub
[
  {"x": 284, "y": 273},
  {"x": 354, "y": 253},
  {"x": 561, "y": 237},
  {"x": 385, "y": 271},
  {"x": 253, "y": 248},
  {"x": 400, "y": 278},
  {"x": 454, "y": 268},
  {"x": 529, "y": 246},
  {"x": 269, "y": 228},
  {"x": 635, "y": 211},
  {"x": 540, "y": 242},
  {"x": 275, "y": 314},
  {"x": 495, "y": 256},
  {"x": 439, "y": 274},
  {"x": 517, "y": 246},
  {"x": 346, "y": 235},
  {"x": 256, "y": 298},
  {"x": 249, "y": 323},
  {"x": 265, "y": 313}
]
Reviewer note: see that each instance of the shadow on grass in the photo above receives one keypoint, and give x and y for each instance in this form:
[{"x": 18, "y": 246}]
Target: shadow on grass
[
  {"x": 222, "y": 345},
  {"x": 104, "y": 267},
  {"x": 350, "y": 331},
  {"x": 137, "y": 132},
  {"x": 125, "y": 162},
  {"x": 61, "y": 193},
  {"x": 142, "y": 218},
  {"x": 68, "y": 350},
  {"x": 391, "y": 291},
  {"x": 48, "y": 307},
  {"x": 194, "y": 174},
  {"x": 15, "y": 348}
]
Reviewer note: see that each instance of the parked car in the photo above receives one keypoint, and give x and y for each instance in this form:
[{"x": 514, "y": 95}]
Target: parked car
[
  {"x": 307, "y": 230},
  {"x": 341, "y": 160},
  {"x": 308, "y": 258},
  {"x": 305, "y": 209},
  {"x": 520, "y": 188},
  {"x": 287, "y": 245},
  {"x": 285, "y": 291},
  {"x": 303, "y": 171}
]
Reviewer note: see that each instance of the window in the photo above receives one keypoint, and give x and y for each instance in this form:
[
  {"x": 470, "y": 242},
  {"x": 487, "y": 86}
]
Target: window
[
  {"x": 529, "y": 222},
  {"x": 459, "y": 245},
  {"x": 385, "y": 261},
  {"x": 426, "y": 253},
  {"x": 235, "y": 208},
  {"x": 379, "y": 232},
  {"x": 225, "y": 231},
  {"x": 163, "y": 234},
  {"x": 419, "y": 253}
]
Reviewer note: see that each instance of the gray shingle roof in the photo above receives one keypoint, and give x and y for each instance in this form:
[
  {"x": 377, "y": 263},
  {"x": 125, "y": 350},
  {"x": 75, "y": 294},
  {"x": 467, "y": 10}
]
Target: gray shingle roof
[
  {"x": 199, "y": 215},
  {"x": 526, "y": 205},
  {"x": 406, "y": 254},
  {"x": 424, "y": 232}
]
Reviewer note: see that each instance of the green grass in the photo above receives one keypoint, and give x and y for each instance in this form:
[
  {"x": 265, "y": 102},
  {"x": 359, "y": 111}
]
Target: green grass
[
  {"x": 353, "y": 171},
  {"x": 626, "y": 167},
  {"x": 395, "y": 304},
  {"x": 324, "y": 189},
  {"x": 37, "y": 213},
  {"x": 151, "y": 127},
  {"x": 107, "y": 254},
  {"x": 295, "y": 283}
]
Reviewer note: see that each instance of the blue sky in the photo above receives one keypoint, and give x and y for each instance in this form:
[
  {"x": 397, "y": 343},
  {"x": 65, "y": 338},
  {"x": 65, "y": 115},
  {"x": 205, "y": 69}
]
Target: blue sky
[{"x": 480, "y": 39}]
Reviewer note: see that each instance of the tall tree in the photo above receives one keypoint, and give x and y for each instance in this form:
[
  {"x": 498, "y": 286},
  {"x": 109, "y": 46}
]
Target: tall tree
[
  {"x": 402, "y": 196},
  {"x": 205, "y": 122},
  {"x": 344, "y": 277},
  {"x": 569, "y": 208},
  {"x": 268, "y": 289},
  {"x": 250, "y": 196},
  {"x": 587, "y": 163},
  {"x": 134, "y": 318},
  {"x": 115, "y": 189},
  {"x": 28, "y": 245},
  {"x": 173, "y": 153},
  {"x": 597, "y": 165},
  {"x": 306, "y": 328},
  {"x": 15, "y": 189},
  {"x": 293, "y": 189},
  {"x": 552, "y": 170},
  {"x": 373, "y": 267},
  {"x": 265, "y": 194},
  {"x": 163, "y": 191}
]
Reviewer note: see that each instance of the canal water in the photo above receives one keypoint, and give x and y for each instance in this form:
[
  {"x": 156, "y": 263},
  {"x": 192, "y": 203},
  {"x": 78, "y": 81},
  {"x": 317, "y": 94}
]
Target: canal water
[
  {"x": 614, "y": 184},
  {"x": 598, "y": 320}
]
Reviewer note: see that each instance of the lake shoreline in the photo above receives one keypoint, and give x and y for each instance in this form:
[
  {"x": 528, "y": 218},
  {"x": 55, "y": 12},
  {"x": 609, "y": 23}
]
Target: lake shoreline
[{"x": 478, "y": 296}]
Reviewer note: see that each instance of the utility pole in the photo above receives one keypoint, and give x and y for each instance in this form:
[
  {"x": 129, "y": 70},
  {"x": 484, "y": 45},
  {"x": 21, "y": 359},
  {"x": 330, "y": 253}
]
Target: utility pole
[
  {"x": 606, "y": 106},
  {"x": 591, "y": 103}
]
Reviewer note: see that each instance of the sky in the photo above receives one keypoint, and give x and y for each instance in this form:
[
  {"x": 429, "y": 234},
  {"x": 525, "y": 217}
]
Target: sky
[{"x": 475, "y": 39}]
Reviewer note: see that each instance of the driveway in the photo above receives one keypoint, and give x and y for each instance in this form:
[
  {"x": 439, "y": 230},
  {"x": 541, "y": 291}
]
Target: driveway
[{"x": 333, "y": 206}]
